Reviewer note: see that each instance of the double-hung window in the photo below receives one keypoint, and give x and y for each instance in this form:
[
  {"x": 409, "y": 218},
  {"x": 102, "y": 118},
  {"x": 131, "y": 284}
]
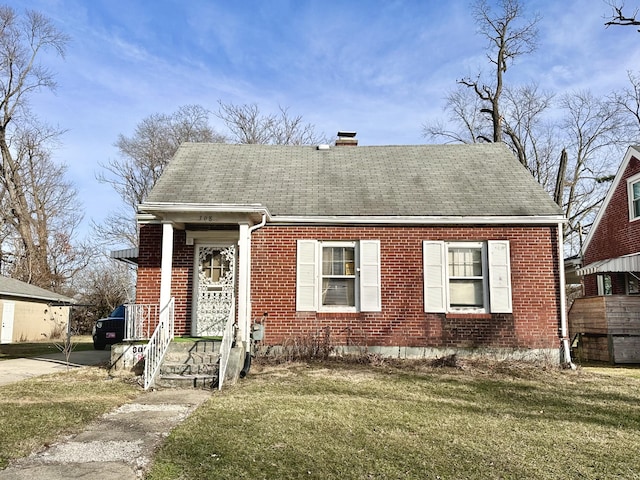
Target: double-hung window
[
  {"x": 467, "y": 285},
  {"x": 338, "y": 276},
  {"x": 467, "y": 277},
  {"x": 633, "y": 188}
]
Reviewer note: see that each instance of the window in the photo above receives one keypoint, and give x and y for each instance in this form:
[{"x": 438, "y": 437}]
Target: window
[
  {"x": 338, "y": 276},
  {"x": 633, "y": 283},
  {"x": 604, "y": 284},
  {"x": 466, "y": 280},
  {"x": 471, "y": 277},
  {"x": 634, "y": 197}
]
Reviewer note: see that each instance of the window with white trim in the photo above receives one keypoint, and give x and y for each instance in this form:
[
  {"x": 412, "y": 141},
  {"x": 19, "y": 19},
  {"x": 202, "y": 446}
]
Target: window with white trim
[
  {"x": 471, "y": 277},
  {"x": 633, "y": 188},
  {"x": 338, "y": 276}
]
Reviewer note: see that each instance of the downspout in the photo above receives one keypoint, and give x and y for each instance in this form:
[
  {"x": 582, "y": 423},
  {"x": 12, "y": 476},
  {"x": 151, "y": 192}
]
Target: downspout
[
  {"x": 262, "y": 223},
  {"x": 247, "y": 356},
  {"x": 564, "y": 329}
]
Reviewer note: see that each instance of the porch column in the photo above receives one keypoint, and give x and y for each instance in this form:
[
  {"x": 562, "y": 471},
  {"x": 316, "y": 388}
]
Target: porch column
[
  {"x": 244, "y": 283},
  {"x": 166, "y": 263}
]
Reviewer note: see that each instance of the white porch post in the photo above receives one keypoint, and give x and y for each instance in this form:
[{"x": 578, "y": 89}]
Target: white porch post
[
  {"x": 165, "y": 265},
  {"x": 244, "y": 282}
]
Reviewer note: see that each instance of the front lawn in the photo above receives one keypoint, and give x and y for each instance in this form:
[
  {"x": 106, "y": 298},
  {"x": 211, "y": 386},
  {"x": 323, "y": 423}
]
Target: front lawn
[
  {"x": 338, "y": 421},
  {"x": 37, "y": 411}
]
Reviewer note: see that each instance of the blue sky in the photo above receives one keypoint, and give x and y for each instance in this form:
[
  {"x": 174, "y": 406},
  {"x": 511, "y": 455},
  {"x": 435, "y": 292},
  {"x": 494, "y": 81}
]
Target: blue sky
[{"x": 380, "y": 67}]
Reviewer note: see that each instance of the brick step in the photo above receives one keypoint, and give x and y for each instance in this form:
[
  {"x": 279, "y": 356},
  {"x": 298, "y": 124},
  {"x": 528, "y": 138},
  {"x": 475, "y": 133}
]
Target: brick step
[
  {"x": 187, "y": 381},
  {"x": 181, "y": 368}
]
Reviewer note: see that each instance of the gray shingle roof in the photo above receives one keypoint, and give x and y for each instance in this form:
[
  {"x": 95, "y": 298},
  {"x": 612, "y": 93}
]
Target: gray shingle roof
[
  {"x": 15, "y": 288},
  {"x": 420, "y": 180}
]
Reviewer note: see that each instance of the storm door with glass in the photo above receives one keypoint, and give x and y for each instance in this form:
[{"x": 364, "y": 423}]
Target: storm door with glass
[{"x": 215, "y": 289}]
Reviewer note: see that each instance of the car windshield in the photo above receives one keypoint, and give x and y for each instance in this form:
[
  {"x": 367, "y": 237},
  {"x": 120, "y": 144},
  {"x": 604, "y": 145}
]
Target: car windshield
[{"x": 118, "y": 312}]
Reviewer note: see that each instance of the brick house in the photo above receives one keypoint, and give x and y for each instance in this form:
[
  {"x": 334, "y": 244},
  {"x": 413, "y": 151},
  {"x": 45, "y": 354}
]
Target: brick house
[
  {"x": 607, "y": 320},
  {"x": 402, "y": 250}
]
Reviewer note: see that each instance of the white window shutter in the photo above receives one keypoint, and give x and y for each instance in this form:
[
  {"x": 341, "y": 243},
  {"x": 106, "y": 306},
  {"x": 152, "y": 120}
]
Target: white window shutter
[
  {"x": 307, "y": 276},
  {"x": 499, "y": 276},
  {"x": 370, "y": 292},
  {"x": 435, "y": 287}
]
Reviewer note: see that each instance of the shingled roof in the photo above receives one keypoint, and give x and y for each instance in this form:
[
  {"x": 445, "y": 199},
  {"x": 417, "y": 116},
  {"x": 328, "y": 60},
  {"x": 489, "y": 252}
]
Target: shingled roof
[
  {"x": 10, "y": 287},
  {"x": 304, "y": 181}
]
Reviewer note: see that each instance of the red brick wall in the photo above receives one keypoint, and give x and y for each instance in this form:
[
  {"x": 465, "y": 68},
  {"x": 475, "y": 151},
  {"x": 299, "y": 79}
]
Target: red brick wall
[
  {"x": 534, "y": 323},
  {"x": 148, "y": 283},
  {"x": 615, "y": 234}
]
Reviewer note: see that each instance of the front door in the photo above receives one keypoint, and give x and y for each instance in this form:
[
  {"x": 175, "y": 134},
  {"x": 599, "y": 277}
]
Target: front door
[{"x": 215, "y": 289}]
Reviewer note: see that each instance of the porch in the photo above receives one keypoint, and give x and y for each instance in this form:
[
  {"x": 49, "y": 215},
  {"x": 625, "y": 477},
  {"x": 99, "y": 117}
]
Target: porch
[
  {"x": 151, "y": 350},
  {"x": 606, "y": 328}
]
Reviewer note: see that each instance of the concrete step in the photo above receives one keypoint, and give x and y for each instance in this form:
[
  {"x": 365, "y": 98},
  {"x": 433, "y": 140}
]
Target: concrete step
[
  {"x": 181, "y": 368},
  {"x": 196, "y": 346},
  {"x": 187, "y": 381},
  {"x": 191, "y": 357}
]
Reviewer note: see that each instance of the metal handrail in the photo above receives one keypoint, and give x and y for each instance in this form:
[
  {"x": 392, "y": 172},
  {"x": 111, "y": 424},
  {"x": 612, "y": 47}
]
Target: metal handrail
[
  {"x": 158, "y": 344},
  {"x": 227, "y": 343},
  {"x": 138, "y": 320}
]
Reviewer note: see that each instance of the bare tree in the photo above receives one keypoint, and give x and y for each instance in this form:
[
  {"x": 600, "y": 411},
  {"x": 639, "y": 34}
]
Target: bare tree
[
  {"x": 53, "y": 207},
  {"x": 248, "y": 125},
  {"x": 528, "y": 133},
  {"x": 101, "y": 287},
  {"x": 618, "y": 17},
  {"x": 28, "y": 209},
  {"x": 593, "y": 130},
  {"x": 465, "y": 121},
  {"x": 143, "y": 157},
  {"x": 508, "y": 39},
  {"x": 628, "y": 101}
]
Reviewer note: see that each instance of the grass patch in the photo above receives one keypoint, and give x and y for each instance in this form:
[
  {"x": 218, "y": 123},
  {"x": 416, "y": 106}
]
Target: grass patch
[
  {"x": 35, "y": 412},
  {"x": 337, "y": 421},
  {"x": 10, "y": 351}
]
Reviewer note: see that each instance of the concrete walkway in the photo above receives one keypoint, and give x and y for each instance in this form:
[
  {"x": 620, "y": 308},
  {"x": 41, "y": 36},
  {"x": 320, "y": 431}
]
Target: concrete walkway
[{"x": 118, "y": 446}]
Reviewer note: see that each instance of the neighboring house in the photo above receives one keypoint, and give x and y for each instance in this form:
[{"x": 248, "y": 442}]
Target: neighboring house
[
  {"x": 605, "y": 324},
  {"x": 31, "y": 313},
  {"x": 402, "y": 250}
]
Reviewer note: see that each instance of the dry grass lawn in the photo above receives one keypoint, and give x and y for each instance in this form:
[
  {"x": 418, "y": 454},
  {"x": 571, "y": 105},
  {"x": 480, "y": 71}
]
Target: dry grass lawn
[
  {"x": 339, "y": 421},
  {"x": 36, "y": 411}
]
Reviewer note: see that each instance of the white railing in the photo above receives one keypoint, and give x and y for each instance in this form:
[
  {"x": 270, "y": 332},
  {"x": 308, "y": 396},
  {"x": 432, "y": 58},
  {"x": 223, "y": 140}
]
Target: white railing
[
  {"x": 227, "y": 343},
  {"x": 139, "y": 319},
  {"x": 158, "y": 344}
]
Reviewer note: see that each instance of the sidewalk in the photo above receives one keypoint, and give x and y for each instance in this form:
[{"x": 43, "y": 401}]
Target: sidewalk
[{"x": 117, "y": 446}]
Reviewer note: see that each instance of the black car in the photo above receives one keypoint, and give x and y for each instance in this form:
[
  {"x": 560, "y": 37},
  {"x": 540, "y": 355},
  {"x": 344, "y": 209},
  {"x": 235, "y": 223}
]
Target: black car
[{"x": 110, "y": 330}]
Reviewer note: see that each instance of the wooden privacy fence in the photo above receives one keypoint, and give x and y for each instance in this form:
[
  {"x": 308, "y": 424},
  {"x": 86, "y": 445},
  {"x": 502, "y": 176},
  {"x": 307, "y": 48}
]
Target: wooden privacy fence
[{"x": 606, "y": 328}]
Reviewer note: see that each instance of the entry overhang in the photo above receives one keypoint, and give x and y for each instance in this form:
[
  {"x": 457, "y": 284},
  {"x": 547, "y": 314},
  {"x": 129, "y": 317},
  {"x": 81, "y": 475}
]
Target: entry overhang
[{"x": 186, "y": 213}]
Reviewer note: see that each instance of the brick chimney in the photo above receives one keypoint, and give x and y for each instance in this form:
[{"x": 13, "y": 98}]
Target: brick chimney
[{"x": 346, "y": 139}]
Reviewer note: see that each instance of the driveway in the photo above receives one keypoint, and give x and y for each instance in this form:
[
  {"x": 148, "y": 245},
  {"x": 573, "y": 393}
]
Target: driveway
[{"x": 21, "y": 368}]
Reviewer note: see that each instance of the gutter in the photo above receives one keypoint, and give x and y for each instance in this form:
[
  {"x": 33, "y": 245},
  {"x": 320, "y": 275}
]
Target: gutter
[{"x": 564, "y": 327}]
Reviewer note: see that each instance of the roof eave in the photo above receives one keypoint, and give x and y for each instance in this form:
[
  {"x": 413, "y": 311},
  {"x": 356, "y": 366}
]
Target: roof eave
[{"x": 421, "y": 220}]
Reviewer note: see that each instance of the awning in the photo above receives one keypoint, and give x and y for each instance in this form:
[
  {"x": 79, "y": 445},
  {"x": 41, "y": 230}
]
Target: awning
[
  {"x": 626, "y": 263},
  {"x": 128, "y": 255}
]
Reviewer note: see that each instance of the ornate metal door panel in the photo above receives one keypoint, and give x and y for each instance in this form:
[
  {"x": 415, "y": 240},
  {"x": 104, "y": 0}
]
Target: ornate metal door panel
[{"x": 215, "y": 290}]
